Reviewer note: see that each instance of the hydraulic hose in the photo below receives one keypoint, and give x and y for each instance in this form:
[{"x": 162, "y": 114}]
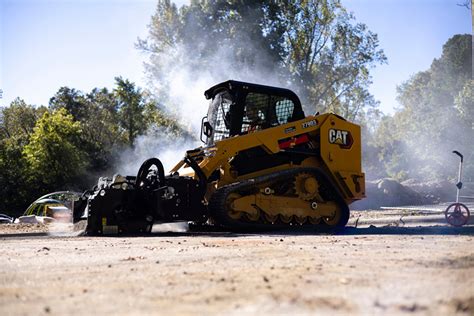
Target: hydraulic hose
[{"x": 202, "y": 177}]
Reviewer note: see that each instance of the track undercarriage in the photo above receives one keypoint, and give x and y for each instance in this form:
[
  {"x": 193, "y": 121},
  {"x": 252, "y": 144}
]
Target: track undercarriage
[{"x": 286, "y": 198}]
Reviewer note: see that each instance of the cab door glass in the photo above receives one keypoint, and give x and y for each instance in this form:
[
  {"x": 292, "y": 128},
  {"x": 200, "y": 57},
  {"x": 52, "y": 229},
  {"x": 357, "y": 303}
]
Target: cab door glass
[
  {"x": 263, "y": 111},
  {"x": 255, "y": 112},
  {"x": 218, "y": 116},
  {"x": 284, "y": 110}
]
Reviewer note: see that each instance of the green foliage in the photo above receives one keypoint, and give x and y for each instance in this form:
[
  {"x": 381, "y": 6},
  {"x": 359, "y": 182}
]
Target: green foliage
[
  {"x": 101, "y": 131},
  {"x": 17, "y": 121},
  {"x": 315, "y": 46},
  {"x": 156, "y": 117},
  {"x": 13, "y": 178},
  {"x": 328, "y": 56},
  {"x": 436, "y": 118},
  {"x": 53, "y": 154},
  {"x": 111, "y": 120},
  {"x": 130, "y": 109},
  {"x": 16, "y": 125},
  {"x": 464, "y": 102},
  {"x": 67, "y": 145},
  {"x": 97, "y": 113},
  {"x": 203, "y": 28},
  {"x": 72, "y": 100}
]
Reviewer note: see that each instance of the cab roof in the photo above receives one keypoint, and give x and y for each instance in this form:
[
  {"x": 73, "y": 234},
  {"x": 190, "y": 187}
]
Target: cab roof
[{"x": 232, "y": 86}]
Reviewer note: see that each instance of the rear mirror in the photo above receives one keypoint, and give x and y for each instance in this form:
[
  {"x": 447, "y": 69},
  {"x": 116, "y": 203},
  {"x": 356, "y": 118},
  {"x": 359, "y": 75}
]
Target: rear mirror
[{"x": 206, "y": 128}]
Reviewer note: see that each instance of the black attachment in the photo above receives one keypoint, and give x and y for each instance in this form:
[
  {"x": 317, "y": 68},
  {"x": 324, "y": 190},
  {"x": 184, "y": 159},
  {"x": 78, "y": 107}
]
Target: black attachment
[{"x": 114, "y": 211}]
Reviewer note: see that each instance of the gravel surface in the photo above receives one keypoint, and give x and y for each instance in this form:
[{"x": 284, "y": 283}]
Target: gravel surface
[{"x": 407, "y": 266}]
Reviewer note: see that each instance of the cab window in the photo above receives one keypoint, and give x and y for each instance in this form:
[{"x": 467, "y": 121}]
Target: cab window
[
  {"x": 219, "y": 116},
  {"x": 263, "y": 111},
  {"x": 284, "y": 110}
]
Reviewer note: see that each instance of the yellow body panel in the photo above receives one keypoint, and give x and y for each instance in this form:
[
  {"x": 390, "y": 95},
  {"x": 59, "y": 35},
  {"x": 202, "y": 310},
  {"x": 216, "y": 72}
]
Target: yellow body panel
[{"x": 336, "y": 143}]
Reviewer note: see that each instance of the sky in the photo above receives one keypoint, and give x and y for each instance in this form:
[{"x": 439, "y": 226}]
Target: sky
[{"x": 82, "y": 44}]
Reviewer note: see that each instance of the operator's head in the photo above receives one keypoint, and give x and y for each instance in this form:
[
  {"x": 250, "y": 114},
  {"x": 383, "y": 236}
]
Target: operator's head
[{"x": 251, "y": 110}]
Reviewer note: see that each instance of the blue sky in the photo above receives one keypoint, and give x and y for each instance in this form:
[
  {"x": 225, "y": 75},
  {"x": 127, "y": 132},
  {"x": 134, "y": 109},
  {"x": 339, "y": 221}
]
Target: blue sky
[{"x": 46, "y": 44}]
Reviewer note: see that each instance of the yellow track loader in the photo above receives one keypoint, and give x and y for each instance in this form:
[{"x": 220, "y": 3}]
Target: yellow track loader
[{"x": 263, "y": 165}]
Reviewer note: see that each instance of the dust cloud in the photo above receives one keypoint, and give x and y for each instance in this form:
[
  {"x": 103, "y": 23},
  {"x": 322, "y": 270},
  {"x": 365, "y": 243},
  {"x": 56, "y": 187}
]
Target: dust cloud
[{"x": 178, "y": 83}]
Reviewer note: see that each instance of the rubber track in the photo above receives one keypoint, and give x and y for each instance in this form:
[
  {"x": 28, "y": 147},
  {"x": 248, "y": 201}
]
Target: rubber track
[{"x": 218, "y": 211}]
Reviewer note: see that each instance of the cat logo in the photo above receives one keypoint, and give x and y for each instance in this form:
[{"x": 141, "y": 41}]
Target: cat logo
[{"x": 341, "y": 138}]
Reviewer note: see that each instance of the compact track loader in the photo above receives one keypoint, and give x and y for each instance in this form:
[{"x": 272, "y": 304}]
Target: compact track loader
[{"x": 264, "y": 165}]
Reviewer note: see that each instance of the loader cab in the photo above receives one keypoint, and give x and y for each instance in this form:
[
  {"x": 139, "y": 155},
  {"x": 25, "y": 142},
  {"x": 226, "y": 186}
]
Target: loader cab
[{"x": 238, "y": 108}]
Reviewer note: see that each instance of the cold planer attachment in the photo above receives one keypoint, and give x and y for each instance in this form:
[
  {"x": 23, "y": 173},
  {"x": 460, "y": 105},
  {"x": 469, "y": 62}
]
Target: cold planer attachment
[
  {"x": 263, "y": 165},
  {"x": 132, "y": 204}
]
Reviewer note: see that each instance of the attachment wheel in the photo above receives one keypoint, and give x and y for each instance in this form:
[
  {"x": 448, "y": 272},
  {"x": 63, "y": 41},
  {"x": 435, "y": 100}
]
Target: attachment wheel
[{"x": 457, "y": 214}]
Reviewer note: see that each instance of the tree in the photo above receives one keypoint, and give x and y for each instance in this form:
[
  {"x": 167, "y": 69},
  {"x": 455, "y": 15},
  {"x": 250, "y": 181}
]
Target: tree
[
  {"x": 111, "y": 120},
  {"x": 16, "y": 126},
  {"x": 130, "y": 109},
  {"x": 156, "y": 117},
  {"x": 17, "y": 120},
  {"x": 329, "y": 56},
  {"x": 53, "y": 154},
  {"x": 464, "y": 102},
  {"x": 14, "y": 189},
  {"x": 207, "y": 30},
  {"x": 465, "y": 3},
  {"x": 72, "y": 100},
  {"x": 315, "y": 46},
  {"x": 45, "y": 149},
  {"x": 97, "y": 113},
  {"x": 435, "y": 118},
  {"x": 101, "y": 134}
]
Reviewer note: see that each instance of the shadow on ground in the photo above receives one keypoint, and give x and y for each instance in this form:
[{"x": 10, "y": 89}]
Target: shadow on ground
[
  {"x": 350, "y": 231},
  {"x": 421, "y": 230}
]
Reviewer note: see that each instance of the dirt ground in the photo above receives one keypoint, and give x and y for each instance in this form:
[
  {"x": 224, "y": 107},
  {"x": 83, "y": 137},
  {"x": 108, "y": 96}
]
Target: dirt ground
[{"x": 393, "y": 263}]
